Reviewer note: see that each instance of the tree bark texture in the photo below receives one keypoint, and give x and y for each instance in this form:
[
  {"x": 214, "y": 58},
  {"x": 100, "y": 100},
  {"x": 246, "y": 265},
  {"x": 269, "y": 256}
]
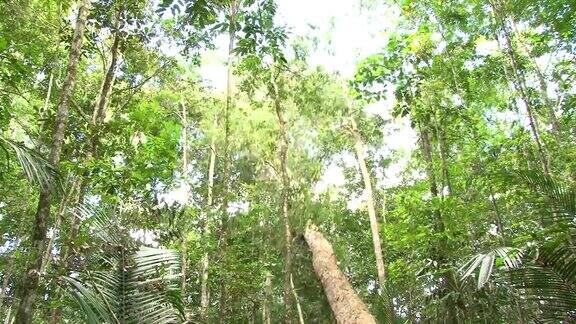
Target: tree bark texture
[
  {"x": 31, "y": 281},
  {"x": 347, "y": 307},
  {"x": 98, "y": 115}
]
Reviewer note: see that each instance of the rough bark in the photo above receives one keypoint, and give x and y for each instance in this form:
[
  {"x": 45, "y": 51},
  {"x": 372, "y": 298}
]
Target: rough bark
[
  {"x": 347, "y": 307},
  {"x": 226, "y": 163},
  {"x": 98, "y": 115},
  {"x": 31, "y": 281}
]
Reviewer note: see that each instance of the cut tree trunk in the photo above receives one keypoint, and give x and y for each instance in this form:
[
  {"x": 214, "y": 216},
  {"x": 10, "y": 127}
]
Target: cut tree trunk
[
  {"x": 347, "y": 307},
  {"x": 31, "y": 281}
]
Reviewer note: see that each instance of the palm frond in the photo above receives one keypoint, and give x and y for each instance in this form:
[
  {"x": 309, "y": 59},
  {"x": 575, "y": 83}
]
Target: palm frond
[
  {"x": 138, "y": 285},
  {"x": 510, "y": 258},
  {"x": 36, "y": 168},
  {"x": 559, "y": 200},
  {"x": 550, "y": 281}
]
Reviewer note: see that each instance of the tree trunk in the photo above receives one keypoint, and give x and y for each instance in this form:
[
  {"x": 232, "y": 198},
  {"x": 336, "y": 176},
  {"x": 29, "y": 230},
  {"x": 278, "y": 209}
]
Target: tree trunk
[
  {"x": 266, "y": 318},
  {"x": 298, "y": 307},
  {"x": 98, "y": 115},
  {"x": 443, "y": 147},
  {"x": 439, "y": 226},
  {"x": 520, "y": 86},
  {"x": 226, "y": 162},
  {"x": 184, "y": 243},
  {"x": 283, "y": 156},
  {"x": 345, "y": 303},
  {"x": 204, "y": 294},
  {"x": 31, "y": 281},
  {"x": 374, "y": 225},
  {"x": 543, "y": 87}
]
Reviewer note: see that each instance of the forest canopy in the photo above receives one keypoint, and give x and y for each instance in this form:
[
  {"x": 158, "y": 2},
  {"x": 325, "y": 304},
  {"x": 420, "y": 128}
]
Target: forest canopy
[{"x": 267, "y": 161}]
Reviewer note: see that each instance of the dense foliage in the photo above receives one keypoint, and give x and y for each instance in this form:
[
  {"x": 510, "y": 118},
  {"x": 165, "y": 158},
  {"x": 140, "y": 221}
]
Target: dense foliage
[{"x": 132, "y": 190}]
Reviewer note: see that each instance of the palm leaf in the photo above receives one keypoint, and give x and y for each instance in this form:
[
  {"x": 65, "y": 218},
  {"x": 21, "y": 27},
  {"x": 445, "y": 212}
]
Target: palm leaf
[
  {"x": 484, "y": 263},
  {"x": 36, "y": 168},
  {"x": 550, "y": 280},
  {"x": 559, "y": 201},
  {"x": 138, "y": 285}
]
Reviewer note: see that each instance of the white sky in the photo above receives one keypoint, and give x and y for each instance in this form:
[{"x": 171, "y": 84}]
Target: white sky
[{"x": 346, "y": 33}]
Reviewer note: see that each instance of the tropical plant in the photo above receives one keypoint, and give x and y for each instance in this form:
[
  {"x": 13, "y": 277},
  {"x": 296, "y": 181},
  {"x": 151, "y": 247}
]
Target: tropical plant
[
  {"x": 134, "y": 283},
  {"x": 543, "y": 271},
  {"x": 36, "y": 168}
]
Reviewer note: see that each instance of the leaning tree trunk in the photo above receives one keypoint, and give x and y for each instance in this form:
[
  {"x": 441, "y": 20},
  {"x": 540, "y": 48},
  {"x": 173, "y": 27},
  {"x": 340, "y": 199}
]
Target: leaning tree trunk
[
  {"x": 32, "y": 278},
  {"x": 345, "y": 303}
]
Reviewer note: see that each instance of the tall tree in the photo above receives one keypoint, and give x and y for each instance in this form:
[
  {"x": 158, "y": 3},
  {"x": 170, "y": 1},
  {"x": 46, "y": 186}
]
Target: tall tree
[{"x": 32, "y": 278}]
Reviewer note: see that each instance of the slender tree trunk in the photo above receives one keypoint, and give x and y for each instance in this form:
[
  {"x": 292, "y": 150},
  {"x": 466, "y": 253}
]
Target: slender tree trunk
[
  {"x": 298, "y": 307},
  {"x": 549, "y": 104},
  {"x": 32, "y": 278},
  {"x": 345, "y": 303},
  {"x": 374, "y": 225},
  {"x": 226, "y": 159},
  {"x": 443, "y": 161},
  {"x": 543, "y": 87},
  {"x": 184, "y": 243},
  {"x": 98, "y": 115},
  {"x": 439, "y": 226},
  {"x": 64, "y": 203},
  {"x": 497, "y": 215},
  {"x": 204, "y": 293},
  {"x": 266, "y": 318},
  {"x": 520, "y": 85},
  {"x": 283, "y": 158}
]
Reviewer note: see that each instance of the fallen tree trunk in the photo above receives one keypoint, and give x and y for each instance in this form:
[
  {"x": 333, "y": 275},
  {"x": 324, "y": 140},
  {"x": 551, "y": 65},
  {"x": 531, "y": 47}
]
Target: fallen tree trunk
[{"x": 345, "y": 303}]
